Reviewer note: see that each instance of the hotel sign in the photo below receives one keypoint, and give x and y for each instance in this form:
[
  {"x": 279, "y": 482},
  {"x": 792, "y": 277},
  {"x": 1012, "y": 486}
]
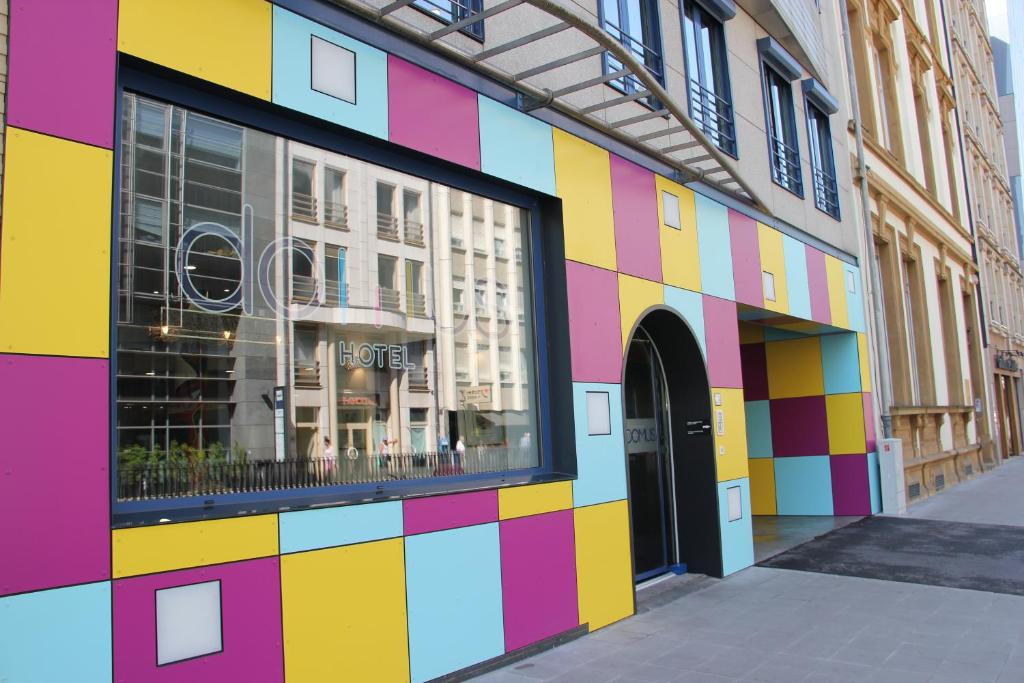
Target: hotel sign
[{"x": 392, "y": 356}]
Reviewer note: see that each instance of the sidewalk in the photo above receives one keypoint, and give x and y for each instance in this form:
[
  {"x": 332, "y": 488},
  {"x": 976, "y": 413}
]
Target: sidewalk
[{"x": 781, "y": 625}]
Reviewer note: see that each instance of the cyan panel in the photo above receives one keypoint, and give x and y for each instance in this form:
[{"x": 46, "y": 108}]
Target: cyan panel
[
  {"x": 453, "y": 584},
  {"x": 292, "y": 72},
  {"x": 795, "y": 254},
  {"x": 516, "y": 146},
  {"x": 600, "y": 459},
  {"x": 759, "y": 429},
  {"x": 841, "y": 363},
  {"x": 737, "y": 535},
  {"x": 327, "y": 527},
  {"x": 874, "y": 483},
  {"x": 56, "y": 635},
  {"x": 690, "y": 306},
  {"x": 854, "y": 299},
  {"x": 803, "y": 485},
  {"x": 715, "y": 249}
]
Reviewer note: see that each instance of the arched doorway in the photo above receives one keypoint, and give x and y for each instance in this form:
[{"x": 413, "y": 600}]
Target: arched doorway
[{"x": 670, "y": 449}]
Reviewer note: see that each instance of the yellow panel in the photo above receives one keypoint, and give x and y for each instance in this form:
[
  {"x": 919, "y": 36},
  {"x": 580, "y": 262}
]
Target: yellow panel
[
  {"x": 149, "y": 549},
  {"x": 865, "y": 363},
  {"x": 227, "y": 42},
  {"x": 794, "y": 368},
  {"x": 837, "y": 291},
  {"x": 762, "y": 486},
  {"x": 344, "y": 614},
  {"x": 521, "y": 501},
  {"x": 729, "y": 424},
  {"x": 845, "y": 424},
  {"x": 583, "y": 179},
  {"x": 636, "y": 295},
  {"x": 751, "y": 334},
  {"x": 773, "y": 260},
  {"x": 55, "y": 249},
  {"x": 680, "y": 260},
  {"x": 604, "y": 565}
]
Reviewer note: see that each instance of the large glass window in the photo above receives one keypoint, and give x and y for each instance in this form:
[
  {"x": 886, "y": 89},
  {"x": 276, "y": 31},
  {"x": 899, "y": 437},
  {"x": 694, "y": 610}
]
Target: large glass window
[
  {"x": 707, "y": 69},
  {"x": 259, "y": 347},
  {"x": 782, "y": 143},
  {"x": 636, "y": 24},
  {"x": 819, "y": 140}
]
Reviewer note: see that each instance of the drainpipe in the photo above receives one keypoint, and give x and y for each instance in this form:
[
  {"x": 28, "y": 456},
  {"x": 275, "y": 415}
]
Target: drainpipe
[{"x": 883, "y": 369}]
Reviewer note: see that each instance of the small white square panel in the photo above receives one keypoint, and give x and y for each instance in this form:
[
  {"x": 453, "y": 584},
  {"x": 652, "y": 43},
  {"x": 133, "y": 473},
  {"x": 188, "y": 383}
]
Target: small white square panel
[
  {"x": 188, "y": 622},
  {"x": 334, "y": 70},
  {"x": 670, "y": 209},
  {"x": 598, "y": 413},
  {"x": 734, "y": 500},
  {"x": 768, "y": 284},
  {"x": 851, "y": 283}
]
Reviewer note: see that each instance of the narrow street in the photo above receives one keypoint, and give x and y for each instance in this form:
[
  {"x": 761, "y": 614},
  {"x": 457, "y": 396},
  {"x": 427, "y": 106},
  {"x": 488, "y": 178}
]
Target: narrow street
[{"x": 768, "y": 624}]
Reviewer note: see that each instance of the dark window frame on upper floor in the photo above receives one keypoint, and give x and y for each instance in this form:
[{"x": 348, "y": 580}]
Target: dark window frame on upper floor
[
  {"x": 778, "y": 71},
  {"x": 459, "y": 10},
  {"x": 819, "y": 105},
  {"x": 646, "y": 44},
  {"x": 719, "y": 123}
]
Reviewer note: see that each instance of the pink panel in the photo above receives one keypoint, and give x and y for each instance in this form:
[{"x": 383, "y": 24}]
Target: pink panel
[
  {"x": 755, "y": 372},
  {"x": 538, "y": 578},
  {"x": 62, "y": 68},
  {"x": 817, "y": 281},
  {"x": 851, "y": 492},
  {"x": 721, "y": 329},
  {"x": 431, "y": 114},
  {"x": 746, "y": 259},
  {"x": 54, "y": 474},
  {"x": 595, "y": 338},
  {"x": 634, "y": 203},
  {"x": 436, "y": 513},
  {"x": 799, "y": 426},
  {"x": 250, "y": 596},
  {"x": 869, "y": 423}
]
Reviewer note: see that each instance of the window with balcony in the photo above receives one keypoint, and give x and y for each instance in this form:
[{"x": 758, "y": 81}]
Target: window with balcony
[
  {"x": 413, "y": 218},
  {"x": 455, "y": 12},
  {"x": 335, "y": 283},
  {"x": 390, "y": 299},
  {"x": 635, "y": 24},
  {"x": 458, "y": 296},
  {"x": 707, "y": 72},
  {"x": 304, "y": 275},
  {"x": 335, "y": 207},
  {"x": 414, "y": 296},
  {"x": 306, "y": 363},
  {"x": 783, "y": 148},
  {"x": 387, "y": 223},
  {"x": 303, "y": 198},
  {"x": 501, "y": 301},
  {"x": 480, "y": 299},
  {"x": 823, "y": 167}
]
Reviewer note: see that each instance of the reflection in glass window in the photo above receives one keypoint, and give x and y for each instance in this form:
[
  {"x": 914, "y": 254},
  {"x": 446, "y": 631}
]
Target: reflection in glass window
[{"x": 379, "y": 380}]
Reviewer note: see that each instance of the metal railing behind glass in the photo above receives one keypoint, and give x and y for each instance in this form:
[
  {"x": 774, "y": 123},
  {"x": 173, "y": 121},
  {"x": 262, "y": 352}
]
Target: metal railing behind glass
[
  {"x": 303, "y": 289},
  {"x": 307, "y": 374},
  {"x": 419, "y": 379},
  {"x": 414, "y": 233},
  {"x": 826, "y": 196},
  {"x": 387, "y": 227},
  {"x": 304, "y": 206},
  {"x": 714, "y": 115},
  {"x": 390, "y": 299},
  {"x": 785, "y": 164},
  {"x": 336, "y": 215},
  {"x": 417, "y": 304},
  {"x": 335, "y": 295},
  {"x": 163, "y": 480}
]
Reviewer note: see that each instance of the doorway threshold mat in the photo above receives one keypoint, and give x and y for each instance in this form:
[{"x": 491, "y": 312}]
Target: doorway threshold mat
[{"x": 985, "y": 557}]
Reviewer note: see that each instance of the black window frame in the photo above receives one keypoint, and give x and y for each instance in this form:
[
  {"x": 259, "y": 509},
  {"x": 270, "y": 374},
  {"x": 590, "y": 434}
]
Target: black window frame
[
  {"x": 826, "y": 197},
  {"x": 460, "y": 9},
  {"x": 693, "y": 12},
  {"x": 628, "y": 84},
  {"x": 792, "y": 179}
]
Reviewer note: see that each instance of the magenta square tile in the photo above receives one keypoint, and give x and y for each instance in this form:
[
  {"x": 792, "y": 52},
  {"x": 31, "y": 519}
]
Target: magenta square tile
[
  {"x": 870, "y": 438},
  {"x": 252, "y": 650},
  {"x": 755, "y": 372},
  {"x": 635, "y": 208},
  {"x": 851, "y": 490},
  {"x": 817, "y": 282},
  {"x": 431, "y": 114},
  {"x": 799, "y": 426},
  {"x": 54, "y": 472},
  {"x": 595, "y": 336},
  {"x": 746, "y": 259},
  {"x": 721, "y": 328},
  {"x": 538, "y": 578},
  {"x": 62, "y": 68},
  {"x": 436, "y": 513}
]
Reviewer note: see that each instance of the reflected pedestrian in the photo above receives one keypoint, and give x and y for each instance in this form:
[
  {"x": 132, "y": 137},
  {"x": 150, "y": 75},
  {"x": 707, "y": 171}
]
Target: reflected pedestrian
[
  {"x": 328, "y": 457},
  {"x": 460, "y": 451}
]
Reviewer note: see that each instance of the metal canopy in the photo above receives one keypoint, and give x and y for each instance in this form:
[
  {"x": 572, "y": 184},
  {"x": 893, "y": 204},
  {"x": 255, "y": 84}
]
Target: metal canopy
[{"x": 555, "y": 57}]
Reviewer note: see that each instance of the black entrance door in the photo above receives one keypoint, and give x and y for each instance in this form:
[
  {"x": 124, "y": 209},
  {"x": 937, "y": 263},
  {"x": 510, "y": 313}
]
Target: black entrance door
[{"x": 650, "y": 462}]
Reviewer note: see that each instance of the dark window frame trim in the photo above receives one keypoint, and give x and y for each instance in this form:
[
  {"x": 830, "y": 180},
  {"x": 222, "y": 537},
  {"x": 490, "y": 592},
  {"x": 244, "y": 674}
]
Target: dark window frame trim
[
  {"x": 466, "y": 30},
  {"x": 603, "y": 22},
  {"x": 767, "y": 68},
  {"x": 723, "y": 60},
  {"x": 811, "y": 106},
  {"x": 553, "y": 393}
]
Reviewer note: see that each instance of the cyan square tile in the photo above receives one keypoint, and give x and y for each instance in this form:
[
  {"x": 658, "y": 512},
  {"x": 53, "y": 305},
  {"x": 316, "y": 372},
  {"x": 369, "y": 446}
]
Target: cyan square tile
[
  {"x": 715, "y": 246},
  {"x": 737, "y": 534},
  {"x": 840, "y": 363},
  {"x": 803, "y": 485},
  {"x": 327, "y": 527},
  {"x": 515, "y": 146},
  {"x": 759, "y": 429},
  {"x": 600, "y": 459}
]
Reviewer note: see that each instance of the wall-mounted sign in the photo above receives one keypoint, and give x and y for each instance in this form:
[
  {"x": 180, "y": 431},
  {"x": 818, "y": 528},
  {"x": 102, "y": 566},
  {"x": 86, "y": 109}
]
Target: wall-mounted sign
[
  {"x": 475, "y": 395},
  {"x": 393, "y": 356},
  {"x": 641, "y": 436},
  {"x": 279, "y": 445}
]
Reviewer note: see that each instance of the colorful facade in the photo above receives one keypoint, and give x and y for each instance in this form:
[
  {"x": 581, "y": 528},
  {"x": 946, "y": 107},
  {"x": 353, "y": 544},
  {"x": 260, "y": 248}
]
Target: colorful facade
[{"x": 413, "y": 587}]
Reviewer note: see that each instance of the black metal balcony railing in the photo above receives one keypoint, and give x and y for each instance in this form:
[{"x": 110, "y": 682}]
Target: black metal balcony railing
[
  {"x": 785, "y": 165},
  {"x": 304, "y": 206},
  {"x": 414, "y": 233},
  {"x": 335, "y": 295},
  {"x": 826, "y": 196},
  {"x": 336, "y": 215},
  {"x": 417, "y": 304},
  {"x": 387, "y": 227},
  {"x": 714, "y": 115},
  {"x": 390, "y": 299},
  {"x": 304, "y": 289},
  {"x": 162, "y": 480},
  {"x": 419, "y": 379},
  {"x": 307, "y": 374}
]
